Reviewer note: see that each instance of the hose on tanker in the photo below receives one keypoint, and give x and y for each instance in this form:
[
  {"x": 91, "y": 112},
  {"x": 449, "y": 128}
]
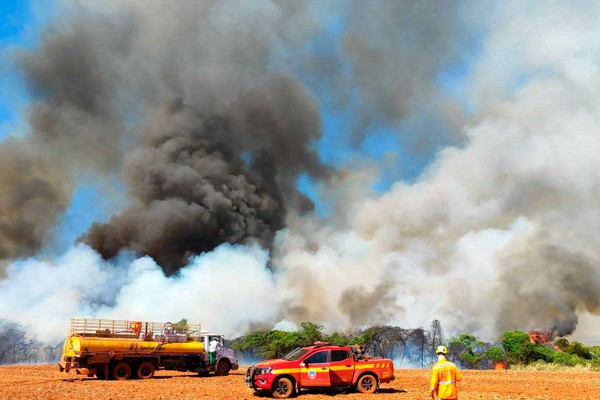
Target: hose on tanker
[{"x": 167, "y": 331}]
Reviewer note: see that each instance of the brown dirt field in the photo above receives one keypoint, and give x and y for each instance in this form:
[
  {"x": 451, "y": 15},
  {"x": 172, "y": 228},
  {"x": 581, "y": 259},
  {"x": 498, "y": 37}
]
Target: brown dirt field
[{"x": 45, "y": 382}]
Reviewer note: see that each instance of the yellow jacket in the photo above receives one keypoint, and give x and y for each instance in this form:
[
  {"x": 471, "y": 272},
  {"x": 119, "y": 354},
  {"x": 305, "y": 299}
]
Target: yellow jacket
[{"x": 443, "y": 380}]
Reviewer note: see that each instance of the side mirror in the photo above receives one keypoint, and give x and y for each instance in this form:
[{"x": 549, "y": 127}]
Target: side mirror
[{"x": 304, "y": 364}]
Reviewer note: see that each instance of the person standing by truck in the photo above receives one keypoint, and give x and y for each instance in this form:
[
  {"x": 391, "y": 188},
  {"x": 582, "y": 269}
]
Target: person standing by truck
[
  {"x": 213, "y": 346},
  {"x": 444, "y": 377}
]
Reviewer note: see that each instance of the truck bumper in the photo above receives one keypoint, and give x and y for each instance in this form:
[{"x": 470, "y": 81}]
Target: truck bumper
[
  {"x": 72, "y": 367},
  {"x": 258, "y": 382},
  {"x": 62, "y": 367},
  {"x": 250, "y": 378}
]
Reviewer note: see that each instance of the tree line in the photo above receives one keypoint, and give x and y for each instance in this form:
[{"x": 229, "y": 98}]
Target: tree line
[
  {"x": 411, "y": 346},
  {"x": 516, "y": 348},
  {"x": 416, "y": 347},
  {"x": 17, "y": 346},
  {"x": 406, "y": 346}
]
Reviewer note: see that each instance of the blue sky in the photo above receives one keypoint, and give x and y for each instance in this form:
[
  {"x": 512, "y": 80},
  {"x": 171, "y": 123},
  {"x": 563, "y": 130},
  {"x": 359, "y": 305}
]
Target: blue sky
[
  {"x": 20, "y": 22},
  {"x": 15, "y": 17}
]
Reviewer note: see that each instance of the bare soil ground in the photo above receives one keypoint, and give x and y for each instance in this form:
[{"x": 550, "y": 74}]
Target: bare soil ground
[{"x": 45, "y": 382}]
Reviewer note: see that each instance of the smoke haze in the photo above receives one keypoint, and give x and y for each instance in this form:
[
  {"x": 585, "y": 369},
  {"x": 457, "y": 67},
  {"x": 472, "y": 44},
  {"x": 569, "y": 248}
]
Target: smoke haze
[{"x": 212, "y": 113}]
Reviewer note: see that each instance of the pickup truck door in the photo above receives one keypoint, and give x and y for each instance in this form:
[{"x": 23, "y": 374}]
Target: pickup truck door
[
  {"x": 341, "y": 368},
  {"x": 315, "y": 371}
]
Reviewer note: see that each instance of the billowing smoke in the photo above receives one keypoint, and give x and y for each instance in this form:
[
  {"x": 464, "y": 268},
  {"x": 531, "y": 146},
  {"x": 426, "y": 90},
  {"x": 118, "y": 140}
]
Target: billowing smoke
[
  {"x": 211, "y": 138},
  {"x": 507, "y": 222},
  {"x": 212, "y": 112},
  {"x": 34, "y": 194},
  {"x": 208, "y": 114},
  {"x": 81, "y": 284},
  {"x": 194, "y": 190}
]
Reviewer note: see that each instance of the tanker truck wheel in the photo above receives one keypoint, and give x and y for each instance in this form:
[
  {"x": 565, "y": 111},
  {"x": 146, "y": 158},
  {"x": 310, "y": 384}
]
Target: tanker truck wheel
[
  {"x": 222, "y": 368},
  {"x": 145, "y": 370},
  {"x": 121, "y": 371},
  {"x": 102, "y": 371}
]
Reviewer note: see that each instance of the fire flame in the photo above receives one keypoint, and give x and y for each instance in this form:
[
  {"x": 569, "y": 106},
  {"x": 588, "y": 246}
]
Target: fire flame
[{"x": 540, "y": 337}]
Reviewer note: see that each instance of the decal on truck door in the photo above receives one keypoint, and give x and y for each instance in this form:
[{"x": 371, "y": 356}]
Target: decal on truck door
[{"x": 312, "y": 374}]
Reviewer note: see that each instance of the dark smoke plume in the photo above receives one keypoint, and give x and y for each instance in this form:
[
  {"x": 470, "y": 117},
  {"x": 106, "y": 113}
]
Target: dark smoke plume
[
  {"x": 545, "y": 285},
  {"x": 206, "y": 109},
  {"x": 193, "y": 188},
  {"x": 220, "y": 162},
  {"x": 34, "y": 195},
  {"x": 74, "y": 130}
]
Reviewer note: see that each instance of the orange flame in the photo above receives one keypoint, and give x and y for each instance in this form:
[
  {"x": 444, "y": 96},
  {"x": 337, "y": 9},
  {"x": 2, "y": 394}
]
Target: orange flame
[{"x": 540, "y": 337}]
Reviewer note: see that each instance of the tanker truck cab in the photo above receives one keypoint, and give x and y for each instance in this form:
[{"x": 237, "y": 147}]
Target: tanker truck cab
[
  {"x": 225, "y": 360},
  {"x": 319, "y": 366}
]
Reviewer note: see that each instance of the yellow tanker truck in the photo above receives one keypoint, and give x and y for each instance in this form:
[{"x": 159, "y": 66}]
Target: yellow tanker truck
[{"x": 118, "y": 349}]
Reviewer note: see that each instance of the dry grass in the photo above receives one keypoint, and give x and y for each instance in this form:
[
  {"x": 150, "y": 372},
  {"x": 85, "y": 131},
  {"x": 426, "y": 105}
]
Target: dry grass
[{"x": 554, "y": 367}]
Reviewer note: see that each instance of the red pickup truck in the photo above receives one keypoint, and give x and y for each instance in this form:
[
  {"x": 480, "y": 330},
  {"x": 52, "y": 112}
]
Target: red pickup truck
[{"x": 319, "y": 366}]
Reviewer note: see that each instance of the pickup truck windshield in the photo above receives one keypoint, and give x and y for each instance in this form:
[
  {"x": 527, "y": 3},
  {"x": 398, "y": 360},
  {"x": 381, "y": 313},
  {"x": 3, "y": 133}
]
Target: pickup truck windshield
[{"x": 295, "y": 354}]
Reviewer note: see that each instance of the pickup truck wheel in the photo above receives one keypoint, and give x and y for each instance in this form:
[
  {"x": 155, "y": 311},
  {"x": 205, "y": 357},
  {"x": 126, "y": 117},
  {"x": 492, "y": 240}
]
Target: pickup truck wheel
[
  {"x": 145, "y": 370},
  {"x": 121, "y": 371},
  {"x": 283, "y": 388},
  {"x": 367, "y": 384},
  {"x": 222, "y": 368}
]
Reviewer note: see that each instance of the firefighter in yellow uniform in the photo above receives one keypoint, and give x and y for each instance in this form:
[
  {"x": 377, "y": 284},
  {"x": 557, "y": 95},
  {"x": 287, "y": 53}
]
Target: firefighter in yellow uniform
[{"x": 444, "y": 377}]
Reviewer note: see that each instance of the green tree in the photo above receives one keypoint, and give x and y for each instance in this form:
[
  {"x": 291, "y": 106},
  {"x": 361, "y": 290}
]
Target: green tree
[
  {"x": 338, "y": 339},
  {"x": 566, "y": 359},
  {"x": 279, "y": 343},
  {"x": 252, "y": 345},
  {"x": 518, "y": 348},
  {"x": 468, "y": 349},
  {"x": 469, "y": 340},
  {"x": 561, "y": 344},
  {"x": 470, "y": 360},
  {"x": 540, "y": 352},
  {"x": 364, "y": 338},
  {"x": 495, "y": 353},
  {"x": 311, "y": 332},
  {"x": 580, "y": 350}
]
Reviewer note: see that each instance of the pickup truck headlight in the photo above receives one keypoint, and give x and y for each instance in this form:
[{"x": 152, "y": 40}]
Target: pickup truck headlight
[{"x": 261, "y": 371}]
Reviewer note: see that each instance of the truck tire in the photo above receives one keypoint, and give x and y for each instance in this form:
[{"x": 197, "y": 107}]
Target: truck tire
[
  {"x": 145, "y": 370},
  {"x": 121, "y": 371},
  {"x": 222, "y": 368},
  {"x": 283, "y": 388},
  {"x": 101, "y": 371},
  {"x": 367, "y": 384}
]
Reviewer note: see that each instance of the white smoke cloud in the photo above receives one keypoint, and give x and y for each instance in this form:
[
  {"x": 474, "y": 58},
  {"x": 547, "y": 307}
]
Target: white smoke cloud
[
  {"x": 45, "y": 294},
  {"x": 227, "y": 291},
  {"x": 528, "y": 171}
]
